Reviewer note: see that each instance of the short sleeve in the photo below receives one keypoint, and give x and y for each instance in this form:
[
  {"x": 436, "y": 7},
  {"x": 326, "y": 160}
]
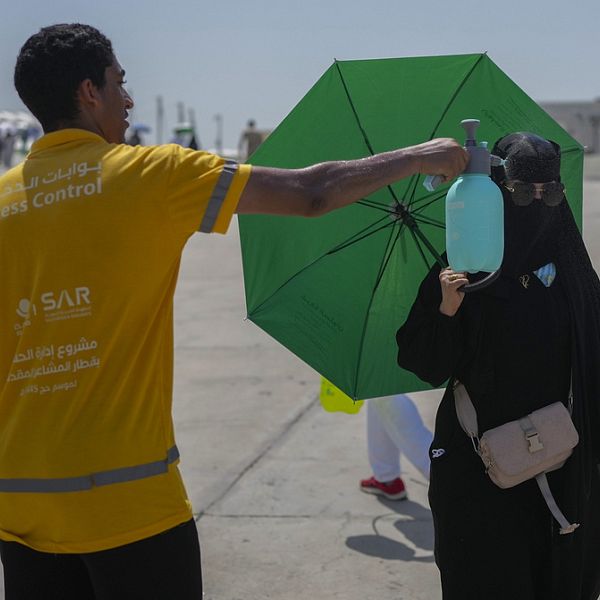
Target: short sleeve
[{"x": 203, "y": 190}]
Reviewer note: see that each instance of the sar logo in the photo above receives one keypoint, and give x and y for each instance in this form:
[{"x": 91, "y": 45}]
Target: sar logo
[
  {"x": 26, "y": 308},
  {"x": 67, "y": 298},
  {"x": 66, "y": 303}
]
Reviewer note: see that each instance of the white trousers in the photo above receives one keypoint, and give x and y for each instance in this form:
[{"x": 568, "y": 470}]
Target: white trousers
[{"x": 395, "y": 427}]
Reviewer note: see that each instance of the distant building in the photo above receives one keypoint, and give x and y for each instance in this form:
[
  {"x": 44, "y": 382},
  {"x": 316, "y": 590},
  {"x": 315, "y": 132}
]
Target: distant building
[{"x": 580, "y": 119}]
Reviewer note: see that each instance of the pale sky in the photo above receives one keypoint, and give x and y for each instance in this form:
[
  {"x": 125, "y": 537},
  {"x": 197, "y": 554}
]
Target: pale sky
[{"x": 256, "y": 59}]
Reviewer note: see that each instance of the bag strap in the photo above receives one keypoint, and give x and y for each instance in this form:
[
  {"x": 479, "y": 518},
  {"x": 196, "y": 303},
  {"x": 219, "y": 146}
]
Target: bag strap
[
  {"x": 467, "y": 415},
  {"x": 465, "y": 411},
  {"x": 565, "y": 526},
  {"x": 570, "y": 400}
]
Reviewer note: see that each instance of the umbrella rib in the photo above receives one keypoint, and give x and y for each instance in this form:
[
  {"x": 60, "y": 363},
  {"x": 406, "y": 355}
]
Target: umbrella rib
[
  {"x": 356, "y": 236},
  {"x": 408, "y": 218},
  {"x": 410, "y": 194},
  {"x": 438, "y": 259},
  {"x": 417, "y": 235},
  {"x": 427, "y": 200},
  {"x": 348, "y": 242},
  {"x": 362, "y": 130},
  {"x": 458, "y": 89},
  {"x": 387, "y": 255},
  {"x": 569, "y": 150},
  {"x": 425, "y": 205},
  {"x": 358, "y": 122},
  {"x": 374, "y": 205},
  {"x": 420, "y": 249},
  {"x": 429, "y": 221},
  {"x": 444, "y": 112},
  {"x": 352, "y": 241}
]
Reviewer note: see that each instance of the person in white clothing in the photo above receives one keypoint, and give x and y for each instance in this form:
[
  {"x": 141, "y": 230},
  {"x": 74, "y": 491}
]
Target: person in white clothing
[{"x": 394, "y": 428}]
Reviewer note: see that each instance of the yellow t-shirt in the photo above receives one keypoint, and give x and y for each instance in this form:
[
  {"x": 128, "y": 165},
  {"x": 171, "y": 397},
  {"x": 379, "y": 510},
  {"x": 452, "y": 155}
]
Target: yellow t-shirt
[{"x": 91, "y": 236}]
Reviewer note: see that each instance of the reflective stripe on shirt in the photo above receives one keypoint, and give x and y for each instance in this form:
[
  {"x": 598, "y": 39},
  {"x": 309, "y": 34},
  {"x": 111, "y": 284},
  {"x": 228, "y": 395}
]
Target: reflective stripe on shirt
[
  {"x": 218, "y": 196},
  {"x": 87, "y": 482}
]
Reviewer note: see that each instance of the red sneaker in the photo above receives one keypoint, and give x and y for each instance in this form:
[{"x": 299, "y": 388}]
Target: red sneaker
[{"x": 392, "y": 490}]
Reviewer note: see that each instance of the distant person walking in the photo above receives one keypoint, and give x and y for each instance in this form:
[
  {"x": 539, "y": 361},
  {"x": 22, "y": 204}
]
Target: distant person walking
[
  {"x": 9, "y": 138},
  {"x": 250, "y": 140},
  {"x": 394, "y": 428}
]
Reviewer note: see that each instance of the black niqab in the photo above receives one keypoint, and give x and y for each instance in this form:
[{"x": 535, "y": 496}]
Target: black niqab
[
  {"x": 531, "y": 233},
  {"x": 535, "y": 235}
]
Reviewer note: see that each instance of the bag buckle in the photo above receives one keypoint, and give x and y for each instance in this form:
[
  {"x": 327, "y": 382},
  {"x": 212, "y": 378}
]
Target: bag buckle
[{"x": 535, "y": 445}]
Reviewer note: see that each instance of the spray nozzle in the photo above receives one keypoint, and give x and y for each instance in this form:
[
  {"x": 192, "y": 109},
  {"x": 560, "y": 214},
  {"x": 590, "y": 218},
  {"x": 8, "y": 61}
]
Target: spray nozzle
[
  {"x": 470, "y": 126},
  {"x": 480, "y": 159}
]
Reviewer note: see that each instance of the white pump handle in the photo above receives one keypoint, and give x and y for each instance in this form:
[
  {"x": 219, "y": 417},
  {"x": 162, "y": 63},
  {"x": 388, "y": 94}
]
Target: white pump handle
[{"x": 433, "y": 181}]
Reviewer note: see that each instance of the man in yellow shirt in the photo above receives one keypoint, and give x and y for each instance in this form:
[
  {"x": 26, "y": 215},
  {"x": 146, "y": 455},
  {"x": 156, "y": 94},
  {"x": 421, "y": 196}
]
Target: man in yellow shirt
[{"x": 92, "y": 504}]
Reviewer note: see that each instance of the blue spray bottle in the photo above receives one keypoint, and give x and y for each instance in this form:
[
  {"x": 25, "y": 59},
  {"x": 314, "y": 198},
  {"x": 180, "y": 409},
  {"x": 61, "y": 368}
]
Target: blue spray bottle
[{"x": 474, "y": 213}]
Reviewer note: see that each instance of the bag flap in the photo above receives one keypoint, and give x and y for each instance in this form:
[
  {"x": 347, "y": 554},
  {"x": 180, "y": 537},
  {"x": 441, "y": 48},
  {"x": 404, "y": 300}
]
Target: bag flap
[{"x": 508, "y": 447}]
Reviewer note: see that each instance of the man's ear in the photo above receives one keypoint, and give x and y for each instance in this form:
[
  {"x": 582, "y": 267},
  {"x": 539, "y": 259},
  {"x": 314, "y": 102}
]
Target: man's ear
[{"x": 87, "y": 94}]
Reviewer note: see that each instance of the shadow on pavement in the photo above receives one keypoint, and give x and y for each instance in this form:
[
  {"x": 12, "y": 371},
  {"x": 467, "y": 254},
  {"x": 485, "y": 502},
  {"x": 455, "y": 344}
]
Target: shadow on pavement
[{"x": 415, "y": 527}]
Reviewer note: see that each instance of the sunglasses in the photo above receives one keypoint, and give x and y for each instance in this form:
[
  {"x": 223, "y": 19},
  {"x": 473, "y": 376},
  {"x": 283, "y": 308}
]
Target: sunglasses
[{"x": 523, "y": 194}]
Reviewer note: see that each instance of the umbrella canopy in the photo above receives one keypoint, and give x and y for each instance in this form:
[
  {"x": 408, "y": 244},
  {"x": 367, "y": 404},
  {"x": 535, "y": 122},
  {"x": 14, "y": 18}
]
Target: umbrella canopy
[{"x": 334, "y": 290}]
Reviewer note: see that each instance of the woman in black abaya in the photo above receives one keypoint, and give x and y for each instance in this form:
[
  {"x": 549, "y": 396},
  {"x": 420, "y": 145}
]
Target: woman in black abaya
[{"x": 515, "y": 345}]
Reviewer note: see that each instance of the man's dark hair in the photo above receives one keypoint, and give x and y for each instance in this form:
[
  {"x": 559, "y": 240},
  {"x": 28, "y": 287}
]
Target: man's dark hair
[{"x": 52, "y": 64}]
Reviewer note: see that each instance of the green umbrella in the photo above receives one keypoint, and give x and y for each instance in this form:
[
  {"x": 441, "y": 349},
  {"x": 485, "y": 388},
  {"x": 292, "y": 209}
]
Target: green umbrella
[{"x": 335, "y": 289}]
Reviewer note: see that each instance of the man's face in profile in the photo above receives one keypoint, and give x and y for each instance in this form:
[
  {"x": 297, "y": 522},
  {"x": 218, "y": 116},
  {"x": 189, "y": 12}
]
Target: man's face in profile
[{"x": 115, "y": 102}]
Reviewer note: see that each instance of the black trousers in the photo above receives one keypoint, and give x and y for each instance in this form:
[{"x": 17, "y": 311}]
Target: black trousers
[{"x": 163, "y": 567}]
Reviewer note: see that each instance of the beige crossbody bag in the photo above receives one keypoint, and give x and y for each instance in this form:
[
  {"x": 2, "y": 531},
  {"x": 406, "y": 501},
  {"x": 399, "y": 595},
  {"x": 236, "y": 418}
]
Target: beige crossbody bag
[{"x": 529, "y": 447}]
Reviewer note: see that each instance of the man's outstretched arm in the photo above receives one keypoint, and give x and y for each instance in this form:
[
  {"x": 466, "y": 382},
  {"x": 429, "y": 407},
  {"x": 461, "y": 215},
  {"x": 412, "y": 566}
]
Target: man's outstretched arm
[{"x": 323, "y": 187}]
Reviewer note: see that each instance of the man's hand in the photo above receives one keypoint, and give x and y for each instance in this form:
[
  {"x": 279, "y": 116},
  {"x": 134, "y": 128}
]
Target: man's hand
[
  {"x": 451, "y": 297},
  {"x": 442, "y": 156}
]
